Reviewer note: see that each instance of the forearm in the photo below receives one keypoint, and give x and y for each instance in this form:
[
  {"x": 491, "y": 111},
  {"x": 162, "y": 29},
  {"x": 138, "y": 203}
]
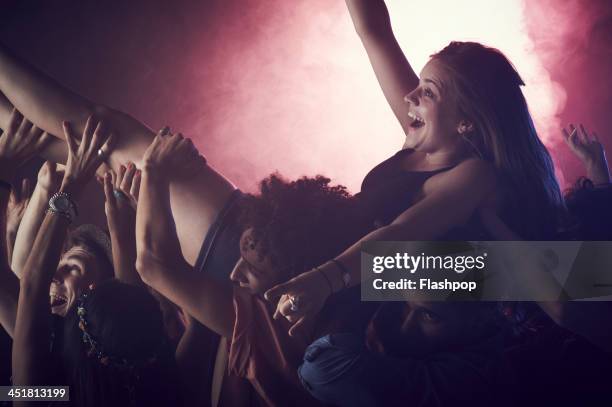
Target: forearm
[
  {"x": 10, "y": 237},
  {"x": 370, "y": 17},
  {"x": 350, "y": 259},
  {"x": 123, "y": 242},
  {"x": 162, "y": 266},
  {"x": 32, "y": 326},
  {"x": 9, "y": 285},
  {"x": 393, "y": 71},
  {"x": 598, "y": 172},
  {"x": 155, "y": 227},
  {"x": 28, "y": 229}
]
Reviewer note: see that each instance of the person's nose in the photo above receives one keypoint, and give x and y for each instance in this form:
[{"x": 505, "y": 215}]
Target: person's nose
[
  {"x": 237, "y": 270},
  {"x": 409, "y": 324},
  {"x": 413, "y": 97}
]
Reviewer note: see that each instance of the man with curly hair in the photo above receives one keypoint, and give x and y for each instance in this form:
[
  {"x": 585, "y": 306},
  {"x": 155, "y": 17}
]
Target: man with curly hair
[{"x": 287, "y": 228}]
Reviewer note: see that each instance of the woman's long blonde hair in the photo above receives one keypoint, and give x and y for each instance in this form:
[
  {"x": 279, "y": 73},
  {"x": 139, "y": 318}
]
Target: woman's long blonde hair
[{"x": 488, "y": 93}]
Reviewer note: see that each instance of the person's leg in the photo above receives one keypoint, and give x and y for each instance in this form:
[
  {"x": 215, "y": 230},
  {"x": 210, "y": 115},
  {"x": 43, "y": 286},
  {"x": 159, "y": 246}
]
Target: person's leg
[
  {"x": 55, "y": 151},
  {"x": 195, "y": 202}
]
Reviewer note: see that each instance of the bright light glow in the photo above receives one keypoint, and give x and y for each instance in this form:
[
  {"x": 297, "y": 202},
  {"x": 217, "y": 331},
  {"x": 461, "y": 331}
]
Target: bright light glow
[{"x": 300, "y": 96}]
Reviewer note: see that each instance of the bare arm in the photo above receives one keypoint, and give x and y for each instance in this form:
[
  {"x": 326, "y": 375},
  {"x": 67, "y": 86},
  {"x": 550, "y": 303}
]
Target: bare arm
[
  {"x": 17, "y": 205},
  {"x": 467, "y": 186},
  {"x": 48, "y": 183},
  {"x": 393, "y": 71},
  {"x": 18, "y": 143},
  {"x": 589, "y": 151},
  {"x": 591, "y": 320},
  {"x": 196, "y": 200},
  {"x": 9, "y": 284},
  {"x": 161, "y": 264},
  {"x": 120, "y": 191},
  {"x": 32, "y": 326}
]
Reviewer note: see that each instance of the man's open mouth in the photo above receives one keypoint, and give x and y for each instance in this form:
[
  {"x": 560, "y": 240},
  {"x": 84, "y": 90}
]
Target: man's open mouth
[{"x": 57, "y": 300}]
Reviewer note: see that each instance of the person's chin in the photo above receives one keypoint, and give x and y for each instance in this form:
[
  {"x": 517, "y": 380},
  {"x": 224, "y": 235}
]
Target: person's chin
[
  {"x": 60, "y": 311},
  {"x": 415, "y": 140}
]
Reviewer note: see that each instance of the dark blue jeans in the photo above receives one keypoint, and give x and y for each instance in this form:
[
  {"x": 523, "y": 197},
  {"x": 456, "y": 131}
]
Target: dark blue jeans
[{"x": 339, "y": 370}]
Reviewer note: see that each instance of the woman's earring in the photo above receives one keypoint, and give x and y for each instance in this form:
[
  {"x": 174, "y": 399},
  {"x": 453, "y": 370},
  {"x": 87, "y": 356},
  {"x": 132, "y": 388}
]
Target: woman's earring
[{"x": 465, "y": 128}]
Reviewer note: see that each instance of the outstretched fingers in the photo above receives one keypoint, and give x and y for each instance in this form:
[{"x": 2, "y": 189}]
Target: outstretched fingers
[{"x": 108, "y": 189}]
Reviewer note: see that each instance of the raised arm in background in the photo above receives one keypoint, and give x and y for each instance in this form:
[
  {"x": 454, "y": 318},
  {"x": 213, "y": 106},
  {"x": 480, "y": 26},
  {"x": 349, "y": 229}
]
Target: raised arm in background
[
  {"x": 19, "y": 142},
  {"x": 589, "y": 151},
  {"x": 395, "y": 75},
  {"x": 30, "y": 354},
  {"x": 17, "y": 205}
]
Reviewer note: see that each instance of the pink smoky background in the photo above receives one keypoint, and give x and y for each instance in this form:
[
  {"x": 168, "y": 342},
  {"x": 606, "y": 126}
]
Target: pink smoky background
[{"x": 284, "y": 85}]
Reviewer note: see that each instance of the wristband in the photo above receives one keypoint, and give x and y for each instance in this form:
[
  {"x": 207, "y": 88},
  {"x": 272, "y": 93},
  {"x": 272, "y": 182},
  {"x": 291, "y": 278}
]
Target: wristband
[
  {"x": 64, "y": 215},
  {"x": 329, "y": 283},
  {"x": 61, "y": 203}
]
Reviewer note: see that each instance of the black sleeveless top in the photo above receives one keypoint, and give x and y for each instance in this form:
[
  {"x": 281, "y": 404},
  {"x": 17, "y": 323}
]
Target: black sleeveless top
[{"x": 387, "y": 191}]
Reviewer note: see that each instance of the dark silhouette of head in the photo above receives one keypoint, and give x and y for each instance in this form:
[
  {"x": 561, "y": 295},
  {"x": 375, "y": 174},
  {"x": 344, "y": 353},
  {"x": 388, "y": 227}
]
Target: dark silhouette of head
[{"x": 590, "y": 213}]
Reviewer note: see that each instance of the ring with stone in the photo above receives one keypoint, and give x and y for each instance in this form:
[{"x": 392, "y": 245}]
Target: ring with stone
[
  {"x": 119, "y": 194},
  {"x": 294, "y": 301},
  {"x": 100, "y": 152}
]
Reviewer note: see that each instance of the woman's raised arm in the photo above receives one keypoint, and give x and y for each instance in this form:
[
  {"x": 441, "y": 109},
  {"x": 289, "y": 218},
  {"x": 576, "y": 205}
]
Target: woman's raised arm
[
  {"x": 393, "y": 71},
  {"x": 467, "y": 187}
]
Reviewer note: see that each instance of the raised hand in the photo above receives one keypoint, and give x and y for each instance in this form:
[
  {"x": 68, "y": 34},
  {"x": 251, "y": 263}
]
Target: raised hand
[
  {"x": 122, "y": 189},
  {"x": 20, "y": 142},
  {"x": 300, "y": 299},
  {"x": 121, "y": 193},
  {"x": 17, "y": 204},
  {"x": 50, "y": 177},
  {"x": 589, "y": 150},
  {"x": 172, "y": 154},
  {"x": 86, "y": 155}
]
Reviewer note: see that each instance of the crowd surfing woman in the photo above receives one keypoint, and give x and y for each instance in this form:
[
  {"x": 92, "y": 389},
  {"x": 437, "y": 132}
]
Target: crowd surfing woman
[
  {"x": 470, "y": 144},
  {"x": 110, "y": 348},
  {"x": 470, "y": 141}
]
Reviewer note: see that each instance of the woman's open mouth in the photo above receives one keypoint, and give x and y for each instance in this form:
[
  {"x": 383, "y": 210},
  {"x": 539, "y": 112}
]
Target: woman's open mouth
[{"x": 417, "y": 122}]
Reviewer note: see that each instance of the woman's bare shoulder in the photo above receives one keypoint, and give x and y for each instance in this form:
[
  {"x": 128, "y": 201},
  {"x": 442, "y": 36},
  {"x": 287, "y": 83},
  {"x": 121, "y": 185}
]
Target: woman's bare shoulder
[{"x": 472, "y": 176}]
